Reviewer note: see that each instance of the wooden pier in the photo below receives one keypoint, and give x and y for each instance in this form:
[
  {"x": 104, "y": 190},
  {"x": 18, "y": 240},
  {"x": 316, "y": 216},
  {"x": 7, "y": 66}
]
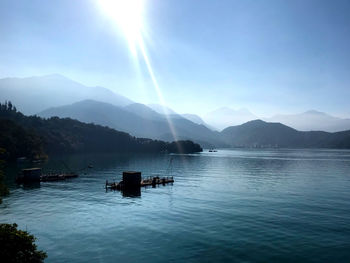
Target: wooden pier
[
  {"x": 57, "y": 177},
  {"x": 35, "y": 175}
]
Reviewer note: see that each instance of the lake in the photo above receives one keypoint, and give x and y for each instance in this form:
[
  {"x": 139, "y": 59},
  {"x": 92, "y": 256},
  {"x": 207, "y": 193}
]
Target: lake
[{"x": 240, "y": 205}]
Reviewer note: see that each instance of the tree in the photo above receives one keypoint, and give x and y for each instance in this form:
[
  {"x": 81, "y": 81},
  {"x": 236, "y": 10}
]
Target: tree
[
  {"x": 9, "y": 105},
  {"x": 15, "y": 245},
  {"x": 18, "y": 246},
  {"x": 3, "y": 188}
]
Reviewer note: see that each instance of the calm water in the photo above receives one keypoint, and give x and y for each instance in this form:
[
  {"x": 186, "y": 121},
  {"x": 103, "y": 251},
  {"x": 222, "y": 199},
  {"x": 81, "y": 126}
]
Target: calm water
[{"x": 233, "y": 205}]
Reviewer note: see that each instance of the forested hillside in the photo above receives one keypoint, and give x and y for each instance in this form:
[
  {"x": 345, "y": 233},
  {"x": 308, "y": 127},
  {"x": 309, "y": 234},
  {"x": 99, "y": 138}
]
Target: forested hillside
[{"x": 31, "y": 135}]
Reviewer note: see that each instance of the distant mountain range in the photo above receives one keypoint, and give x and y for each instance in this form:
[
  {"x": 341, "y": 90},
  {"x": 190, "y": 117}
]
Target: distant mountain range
[
  {"x": 312, "y": 121},
  {"x": 307, "y": 121},
  {"x": 55, "y": 95},
  {"x": 138, "y": 120},
  {"x": 141, "y": 121},
  {"x": 36, "y": 94},
  {"x": 225, "y": 117},
  {"x": 265, "y": 134}
]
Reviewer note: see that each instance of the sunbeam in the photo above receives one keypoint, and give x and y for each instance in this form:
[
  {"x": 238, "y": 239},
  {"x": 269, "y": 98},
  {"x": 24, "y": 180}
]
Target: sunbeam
[{"x": 128, "y": 17}]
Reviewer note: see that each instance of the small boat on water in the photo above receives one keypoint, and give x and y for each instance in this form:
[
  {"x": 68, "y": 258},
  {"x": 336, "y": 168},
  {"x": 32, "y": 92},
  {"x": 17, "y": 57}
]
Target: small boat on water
[{"x": 212, "y": 150}]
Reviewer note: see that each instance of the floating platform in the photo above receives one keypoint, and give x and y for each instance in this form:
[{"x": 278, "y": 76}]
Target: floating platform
[
  {"x": 133, "y": 179},
  {"x": 57, "y": 177}
]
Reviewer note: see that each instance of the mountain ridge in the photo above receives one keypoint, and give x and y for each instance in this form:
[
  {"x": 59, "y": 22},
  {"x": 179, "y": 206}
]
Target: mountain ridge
[
  {"x": 29, "y": 136},
  {"x": 37, "y": 93},
  {"x": 258, "y": 133},
  {"x": 312, "y": 120},
  {"x": 123, "y": 119},
  {"x": 224, "y": 117}
]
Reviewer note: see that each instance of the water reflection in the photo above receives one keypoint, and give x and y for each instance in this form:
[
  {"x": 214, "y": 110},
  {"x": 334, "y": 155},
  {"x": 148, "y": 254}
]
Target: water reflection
[
  {"x": 136, "y": 191},
  {"x": 31, "y": 186},
  {"x": 229, "y": 206},
  {"x": 132, "y": 192}
]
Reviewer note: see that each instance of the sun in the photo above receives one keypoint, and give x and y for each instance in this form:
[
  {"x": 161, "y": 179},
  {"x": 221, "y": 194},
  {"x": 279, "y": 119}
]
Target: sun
[{"x": 128, "y": 17}]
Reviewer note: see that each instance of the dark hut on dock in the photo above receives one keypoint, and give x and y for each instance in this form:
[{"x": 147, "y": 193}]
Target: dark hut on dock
[
  {"x": 131, "y": 179},
  {"x": 30, "y": 175}
]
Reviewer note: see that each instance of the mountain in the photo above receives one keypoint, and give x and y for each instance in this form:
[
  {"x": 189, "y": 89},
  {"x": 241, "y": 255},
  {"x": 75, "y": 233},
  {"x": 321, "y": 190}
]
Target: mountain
[
  {"x": 166, "y": 112},
  {"x": 225, "y": 117},
  {"x": 196, "y": 119},
  {"x": 90, "y": 111},
  {"x": 35, "y": 94},
  {"x": 162, "y": 109},
  {"x": 312, "y": 121},
  {"x": 138, "y": 120},
  {"x": 21, "y": 135},
  {"x": 141, "y": 121},
  {"x": 143, "y": 111},
  {"x": 258, "y": 133}
]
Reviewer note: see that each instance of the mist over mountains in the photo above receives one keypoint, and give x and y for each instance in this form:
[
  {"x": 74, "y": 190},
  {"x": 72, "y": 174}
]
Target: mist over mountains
[
  {"x": 306, "y": 121},
  {"x": 225, "y": 117},
  {"x": 56, "y": 95},
  {"x": 35, "y": 94},
  {"x": 138, "y": 120},
  {"x": 312, "y": 121},
  {"x": 161, "y": 109}
]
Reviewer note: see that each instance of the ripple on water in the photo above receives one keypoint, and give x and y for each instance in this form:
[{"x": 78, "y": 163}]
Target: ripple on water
[{"x": 233, "y": 205}]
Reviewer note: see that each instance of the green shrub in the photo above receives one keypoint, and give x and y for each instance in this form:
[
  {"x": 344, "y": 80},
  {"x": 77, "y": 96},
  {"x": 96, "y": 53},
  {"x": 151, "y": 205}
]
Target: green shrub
[{"x": 18, "y": 246}]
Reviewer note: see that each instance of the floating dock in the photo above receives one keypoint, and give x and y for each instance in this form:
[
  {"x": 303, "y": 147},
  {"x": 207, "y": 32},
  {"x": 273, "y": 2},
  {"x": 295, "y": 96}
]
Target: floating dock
[
  {"x": 57, "y": 177},
  {"x": 133, "y": 179}
]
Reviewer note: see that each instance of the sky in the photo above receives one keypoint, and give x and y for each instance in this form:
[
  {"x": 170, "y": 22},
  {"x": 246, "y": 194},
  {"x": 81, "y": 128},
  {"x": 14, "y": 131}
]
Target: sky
[{"x": 267, "y": 56}]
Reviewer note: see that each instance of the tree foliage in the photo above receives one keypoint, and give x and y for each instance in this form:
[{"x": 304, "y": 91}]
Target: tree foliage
[
  {"x": 19, "y": 142},
  {"x": 184, "y": 147},
  {"x": 18, "y": 246},
  {"x": 3, "y": 188}
]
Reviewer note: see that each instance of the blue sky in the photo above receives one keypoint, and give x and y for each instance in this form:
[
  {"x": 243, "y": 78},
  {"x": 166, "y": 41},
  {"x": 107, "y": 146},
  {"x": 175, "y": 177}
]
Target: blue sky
[{"x": 267, "y": 56}]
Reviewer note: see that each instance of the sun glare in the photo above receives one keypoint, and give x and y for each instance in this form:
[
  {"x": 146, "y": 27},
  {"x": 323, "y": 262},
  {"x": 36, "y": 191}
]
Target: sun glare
[{"x": 128, "y": 17}]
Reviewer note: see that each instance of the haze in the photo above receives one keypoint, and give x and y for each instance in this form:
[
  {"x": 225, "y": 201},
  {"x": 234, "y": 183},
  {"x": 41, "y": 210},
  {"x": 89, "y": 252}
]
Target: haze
[
  {"x": 269, "y": 57},
  {"x": 174, "y": 131}
]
